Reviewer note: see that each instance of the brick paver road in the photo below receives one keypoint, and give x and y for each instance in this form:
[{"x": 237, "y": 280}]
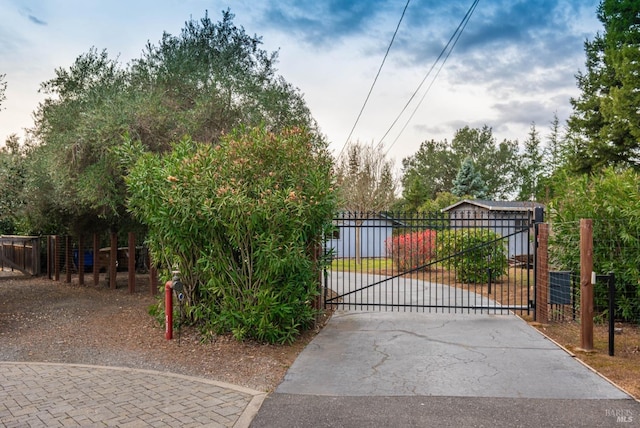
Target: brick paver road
[{"x": 61, "y": 395}]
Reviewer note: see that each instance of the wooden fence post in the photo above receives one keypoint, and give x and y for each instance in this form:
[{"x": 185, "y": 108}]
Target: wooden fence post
[
  {"x": 56, "y": 258},
  {"x": 113, "y": 261},
  {"x": 132, "y": 263},
  {"x": 542, "y": 274},
  {"x": 35, "y": 256},
  {"x": 24, "y": 255},
  {"x": 68, "y": 258},
  {"x": 49, "y": 257},
  {"x": 96, "y": 260},
  {"x": 586, "y": 287},
  {"x": 80, "y": 260}
]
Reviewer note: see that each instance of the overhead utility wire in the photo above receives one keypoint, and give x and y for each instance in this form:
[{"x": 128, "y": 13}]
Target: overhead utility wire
[
  {"x": 446, "y": 47},
  {"x": 376, "y": 78},
  {"x": 432, "y": 80}
]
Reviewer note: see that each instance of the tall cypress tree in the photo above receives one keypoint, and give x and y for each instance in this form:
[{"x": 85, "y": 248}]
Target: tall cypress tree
[{"x": 604, "y": 128}]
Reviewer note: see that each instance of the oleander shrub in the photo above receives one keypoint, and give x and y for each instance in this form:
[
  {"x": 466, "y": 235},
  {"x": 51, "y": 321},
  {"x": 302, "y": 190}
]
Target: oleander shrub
[
  {"x": 242, "y": 221},
  {"x": 611, "y": 199}
]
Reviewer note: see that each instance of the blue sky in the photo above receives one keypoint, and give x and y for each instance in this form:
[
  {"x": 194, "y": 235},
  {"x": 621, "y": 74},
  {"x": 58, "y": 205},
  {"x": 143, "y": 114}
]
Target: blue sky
[{"x": 514, "y": 64}]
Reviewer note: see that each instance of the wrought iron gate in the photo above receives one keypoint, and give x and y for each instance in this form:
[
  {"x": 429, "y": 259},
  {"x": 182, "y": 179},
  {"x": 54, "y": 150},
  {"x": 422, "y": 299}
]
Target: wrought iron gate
[{"x": 461, "y": 261}]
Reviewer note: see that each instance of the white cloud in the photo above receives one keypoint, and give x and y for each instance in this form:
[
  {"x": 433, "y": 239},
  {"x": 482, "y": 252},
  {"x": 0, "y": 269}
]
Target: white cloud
[{"x": 514, "y": 64}]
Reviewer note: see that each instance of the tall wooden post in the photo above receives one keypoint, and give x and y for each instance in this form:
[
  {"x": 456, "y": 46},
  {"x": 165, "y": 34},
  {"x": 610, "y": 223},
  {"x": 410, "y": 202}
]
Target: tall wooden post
[
  {"x": 586, "y": 287},
  {"x": 56, "y": 258},
  {"x": 49, "y": 256},
  {"x": 542, "y": 274},
  {"x": 113, "y": 261},
  {"x": 80, "y": 260},
  {"x": 96, "y": 260},
  {"x": 68, "y": 258},
  {"x": 35, "y": 256},
  {"x": 132, "y": 263}
]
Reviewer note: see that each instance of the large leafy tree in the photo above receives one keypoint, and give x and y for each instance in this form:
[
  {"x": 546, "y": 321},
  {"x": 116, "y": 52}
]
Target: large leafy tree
[
  {"x": 497, "y": 163},
  {"x": 205, "y": 81},
  {"x": 604, "y": 128},
  {"x": 428, "y": 172},
  {"x": 209, "y": 79},
  {"x": 434, "y": 167},
  {"x": 12, "y": 178},
  {"x": 72, "y": 181}
]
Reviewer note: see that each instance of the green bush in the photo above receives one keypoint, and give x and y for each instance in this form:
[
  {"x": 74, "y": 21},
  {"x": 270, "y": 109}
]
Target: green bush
[
  {"x": 242, "y": 221},
  {"x": 471, "y": 252},
  {"x": 612, "y": 200}
]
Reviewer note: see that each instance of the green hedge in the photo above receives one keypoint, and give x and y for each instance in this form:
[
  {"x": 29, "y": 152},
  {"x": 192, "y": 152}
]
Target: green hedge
[
  {"x": 612, "y": 200},
  {"x": 471, "y": 252}
]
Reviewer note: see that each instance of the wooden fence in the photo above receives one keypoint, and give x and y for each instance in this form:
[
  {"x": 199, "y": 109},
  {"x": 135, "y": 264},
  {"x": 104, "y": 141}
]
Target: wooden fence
[
  {"x": 21, "y": 253},
  {"x": 65, "y": 256}
]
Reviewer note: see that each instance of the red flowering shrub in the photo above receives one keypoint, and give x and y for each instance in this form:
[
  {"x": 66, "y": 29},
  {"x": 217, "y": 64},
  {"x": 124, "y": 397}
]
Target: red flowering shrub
[{"x": 412, "y": 250}]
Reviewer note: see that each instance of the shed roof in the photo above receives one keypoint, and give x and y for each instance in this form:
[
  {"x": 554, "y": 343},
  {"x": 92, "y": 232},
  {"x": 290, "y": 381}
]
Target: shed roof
[{"x": 497, "y": 205}]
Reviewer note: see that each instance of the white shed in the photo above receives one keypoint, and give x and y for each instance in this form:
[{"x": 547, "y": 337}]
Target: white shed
[{"x": 374, "y": 229}]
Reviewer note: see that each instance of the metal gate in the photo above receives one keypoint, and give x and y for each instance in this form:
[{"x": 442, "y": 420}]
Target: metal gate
[{"x": 461, "y": 262}]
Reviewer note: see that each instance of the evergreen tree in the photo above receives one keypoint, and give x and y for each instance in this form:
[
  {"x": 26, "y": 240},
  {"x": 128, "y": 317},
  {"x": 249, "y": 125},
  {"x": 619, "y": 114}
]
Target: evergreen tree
[
  {"x": 468, "y": 182},
  {"x": 553, "y": 162},
  {"x": 415, "y": 194},
  {"x": 604, "y": 128},
  {"x": 552, "y": 156},
  {"x": 531, "y": 166}
]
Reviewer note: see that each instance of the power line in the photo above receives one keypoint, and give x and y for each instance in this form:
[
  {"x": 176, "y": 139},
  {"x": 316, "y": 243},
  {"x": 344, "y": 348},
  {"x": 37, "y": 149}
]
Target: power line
[
  {"x": 376, "y": 78},
  {"x": 436, "y": 75},
  {"x": 456, "y": 34}
]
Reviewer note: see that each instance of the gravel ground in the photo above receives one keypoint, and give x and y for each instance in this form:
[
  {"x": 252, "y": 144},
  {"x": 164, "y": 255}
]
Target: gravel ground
[{"x": 48, "y": 321}]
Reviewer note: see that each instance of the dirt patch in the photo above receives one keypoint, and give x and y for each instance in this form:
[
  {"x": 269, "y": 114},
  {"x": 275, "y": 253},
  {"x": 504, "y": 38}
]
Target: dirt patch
[
  {"x": 623, "y": 368},
  {"x": 48, "y": 321}
]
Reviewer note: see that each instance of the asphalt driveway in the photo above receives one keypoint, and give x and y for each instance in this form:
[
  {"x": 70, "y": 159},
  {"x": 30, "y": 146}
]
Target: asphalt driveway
[{"x": 379, "y": 369}]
